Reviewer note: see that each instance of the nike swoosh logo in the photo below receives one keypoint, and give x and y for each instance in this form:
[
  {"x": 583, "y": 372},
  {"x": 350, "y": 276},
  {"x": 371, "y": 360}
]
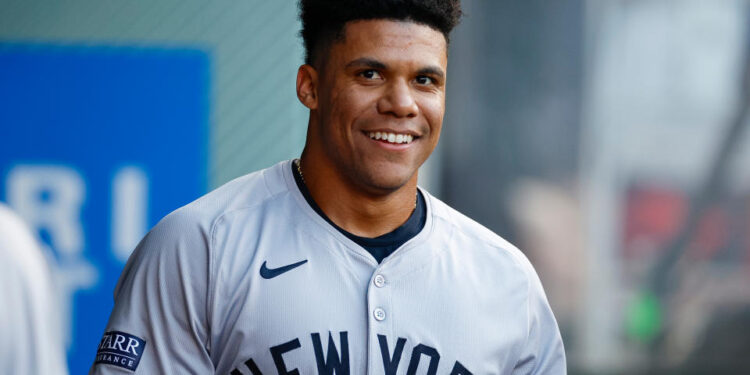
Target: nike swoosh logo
[{"x": 270, "y": 273}]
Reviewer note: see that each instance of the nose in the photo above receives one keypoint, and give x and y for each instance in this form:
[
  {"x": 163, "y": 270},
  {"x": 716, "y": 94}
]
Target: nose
[{"x": 398, "y": 100}]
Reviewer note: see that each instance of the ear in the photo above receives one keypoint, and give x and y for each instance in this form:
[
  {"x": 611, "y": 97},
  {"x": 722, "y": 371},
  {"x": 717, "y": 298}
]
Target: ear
[{"x": 307, "y": 86}]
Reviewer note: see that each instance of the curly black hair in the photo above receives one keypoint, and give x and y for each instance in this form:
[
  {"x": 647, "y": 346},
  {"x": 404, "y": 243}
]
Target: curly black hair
[{"x": 323, "y": 21}]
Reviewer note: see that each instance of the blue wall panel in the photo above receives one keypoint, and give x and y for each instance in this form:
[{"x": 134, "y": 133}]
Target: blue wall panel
[{"x": 96, "y": 145}]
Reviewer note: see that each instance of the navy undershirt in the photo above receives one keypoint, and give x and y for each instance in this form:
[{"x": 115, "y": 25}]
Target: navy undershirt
[{"x": 381, "y": 246}]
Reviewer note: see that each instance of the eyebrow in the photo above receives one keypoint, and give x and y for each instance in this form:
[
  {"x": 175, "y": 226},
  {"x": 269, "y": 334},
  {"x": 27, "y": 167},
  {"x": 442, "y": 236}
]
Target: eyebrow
[
  {"x": 368, "y": 62},
  {"x": 375, "y": 64},
  {"x": 432, "y": 70}
]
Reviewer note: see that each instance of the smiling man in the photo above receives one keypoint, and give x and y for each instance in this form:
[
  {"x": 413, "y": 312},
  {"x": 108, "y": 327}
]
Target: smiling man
[
  {"x": 376, "y": 97},
  {"x": 336, "y": 262}
]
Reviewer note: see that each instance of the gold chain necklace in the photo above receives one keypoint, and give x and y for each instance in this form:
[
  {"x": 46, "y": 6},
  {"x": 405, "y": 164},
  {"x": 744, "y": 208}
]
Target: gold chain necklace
[{"x": 298, "y": 164}]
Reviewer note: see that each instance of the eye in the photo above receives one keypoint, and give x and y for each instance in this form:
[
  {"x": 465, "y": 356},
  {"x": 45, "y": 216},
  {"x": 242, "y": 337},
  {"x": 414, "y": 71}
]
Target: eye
[
  {"x": 370, "y": 74},
  {"x": 424, "y": 80}
]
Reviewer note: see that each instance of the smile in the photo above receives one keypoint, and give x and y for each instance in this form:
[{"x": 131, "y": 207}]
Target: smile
[{"x": 394, "y": 138}]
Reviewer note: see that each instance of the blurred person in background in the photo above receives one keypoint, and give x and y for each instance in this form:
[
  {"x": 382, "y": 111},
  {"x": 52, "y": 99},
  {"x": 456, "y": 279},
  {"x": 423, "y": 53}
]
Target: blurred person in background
[{"x": 30, "y": 332}]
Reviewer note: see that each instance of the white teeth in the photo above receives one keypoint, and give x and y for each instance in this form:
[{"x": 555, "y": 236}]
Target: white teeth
[{"x": 391, "y": 137}]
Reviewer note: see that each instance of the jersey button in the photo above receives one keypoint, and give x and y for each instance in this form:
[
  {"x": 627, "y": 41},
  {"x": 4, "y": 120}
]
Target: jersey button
[
  {"x": 379, "y": 314},
  {"x": 379, "y": 281}
]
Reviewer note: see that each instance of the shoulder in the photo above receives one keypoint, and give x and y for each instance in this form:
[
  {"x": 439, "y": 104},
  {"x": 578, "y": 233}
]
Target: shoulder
[
  {"x": 470, "y": 233},
  {"x": 184, "y": 237},
  {"x": 19, "y": 248},
  {"x": 500, "y": 266},
  {"x": 243, "y": 193},
  {"x": 13, "y": 231},
  {"x": 26, "y": 285},
  {"x": 476, "y": 243}
]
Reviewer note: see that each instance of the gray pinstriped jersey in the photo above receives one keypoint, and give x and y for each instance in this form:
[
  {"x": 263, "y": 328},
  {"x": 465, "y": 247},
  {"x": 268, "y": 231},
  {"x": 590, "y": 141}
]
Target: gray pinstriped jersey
[{"x": 250, "y": 280}]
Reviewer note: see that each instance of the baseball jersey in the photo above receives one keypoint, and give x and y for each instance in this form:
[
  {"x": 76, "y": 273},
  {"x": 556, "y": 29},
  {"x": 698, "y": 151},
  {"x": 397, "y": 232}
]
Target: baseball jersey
[
  {"x": 383, "y": 245},
  {"x": 249, "y": 279}
]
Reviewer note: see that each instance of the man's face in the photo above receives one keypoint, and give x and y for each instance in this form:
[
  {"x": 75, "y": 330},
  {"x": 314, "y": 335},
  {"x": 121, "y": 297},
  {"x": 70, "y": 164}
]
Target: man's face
[{"x": 381, "y": 100}]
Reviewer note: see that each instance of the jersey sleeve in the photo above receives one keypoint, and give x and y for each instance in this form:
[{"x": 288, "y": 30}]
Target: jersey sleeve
[
  {"x": 159, "y": 321},
  {"x": 543, "y": 352}
]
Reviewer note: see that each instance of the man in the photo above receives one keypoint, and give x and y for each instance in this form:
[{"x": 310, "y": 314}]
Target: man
[
  {"x": 31, "y": 340},
  {"x": 337, "y": 262}
]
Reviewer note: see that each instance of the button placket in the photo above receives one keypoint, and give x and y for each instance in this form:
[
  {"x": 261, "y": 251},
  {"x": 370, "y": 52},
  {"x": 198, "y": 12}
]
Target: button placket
[
  {"x": 378, "y": 304},
  {"x": 379, "y": 314},
  {"x": 379, "y": 280}
]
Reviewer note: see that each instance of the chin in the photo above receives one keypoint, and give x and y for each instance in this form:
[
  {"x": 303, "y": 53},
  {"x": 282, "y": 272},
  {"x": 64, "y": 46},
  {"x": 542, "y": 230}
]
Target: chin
[{"x": 389, "y": 183}]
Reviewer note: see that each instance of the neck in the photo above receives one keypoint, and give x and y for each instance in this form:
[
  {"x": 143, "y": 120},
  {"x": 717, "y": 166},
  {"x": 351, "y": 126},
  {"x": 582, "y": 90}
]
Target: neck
[{"x": 354, "y": 208}]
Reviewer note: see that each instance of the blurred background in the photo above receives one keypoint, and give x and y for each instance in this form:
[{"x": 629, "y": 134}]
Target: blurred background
[{"x": 606, "y": 138}]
